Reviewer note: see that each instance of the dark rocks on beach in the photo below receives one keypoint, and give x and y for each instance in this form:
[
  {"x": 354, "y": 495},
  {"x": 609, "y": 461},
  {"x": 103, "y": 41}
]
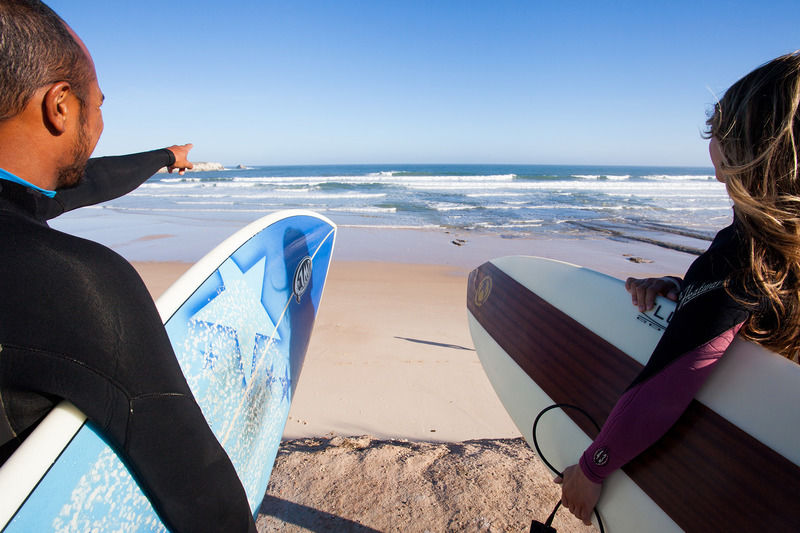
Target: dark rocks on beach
[{"x": 636, "y": 259}]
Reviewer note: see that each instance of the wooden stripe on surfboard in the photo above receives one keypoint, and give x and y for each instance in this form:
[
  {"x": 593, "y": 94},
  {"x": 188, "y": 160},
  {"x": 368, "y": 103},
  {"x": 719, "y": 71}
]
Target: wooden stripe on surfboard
[{"x": 705, "y": 473}]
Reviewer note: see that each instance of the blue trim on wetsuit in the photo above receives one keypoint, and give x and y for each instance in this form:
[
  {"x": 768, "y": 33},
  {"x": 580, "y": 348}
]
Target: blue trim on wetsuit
[{"x": 6, "y": 175}]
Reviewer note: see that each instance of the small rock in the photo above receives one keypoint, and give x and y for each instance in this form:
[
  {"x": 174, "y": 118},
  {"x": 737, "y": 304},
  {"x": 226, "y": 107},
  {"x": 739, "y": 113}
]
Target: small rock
[{"x": 634, "y": 259}]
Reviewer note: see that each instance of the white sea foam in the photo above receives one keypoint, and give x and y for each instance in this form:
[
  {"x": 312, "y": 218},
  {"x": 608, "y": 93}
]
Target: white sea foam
[
  {"x": 384, "y": 173},
  {"x": 520, "y": 224},
  {"x": 293, "y": 189},
  {"x": 610, "y": 177},
  {"x": 382, "y": 177},
  {"x": 672, "y": 177},
  {"x": 206, "y": 202},
  {"x": 604, "y": 186},
  {"x": 390, "y": 226},
  {"x": 393, "y": 197},
  {"x": 362, "y": 209},
  {"x": 449, "y": 206},
  {"x": 180, "y": 180},
  {"x": 505, "y": 207},
  {"x": 168, "y": 185},
  {"x": 494, "y": 194},
  {"x": 140, "y": 194},
  {"x": 477, "y": 186},
  {"x": 344, "y": 195},
  {"x": 174, "y": 210},
  {"x": 725, "y": 209}
]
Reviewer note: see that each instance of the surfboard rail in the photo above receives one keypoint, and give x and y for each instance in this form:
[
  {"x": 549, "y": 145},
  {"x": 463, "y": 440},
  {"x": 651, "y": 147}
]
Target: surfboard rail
[
  {"x": 21, "y": 472},
  {"x": 177, "y": 293}
]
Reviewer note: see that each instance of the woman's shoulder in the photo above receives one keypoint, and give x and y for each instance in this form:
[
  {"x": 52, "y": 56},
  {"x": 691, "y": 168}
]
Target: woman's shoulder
[{"x": 726, "y": 254}]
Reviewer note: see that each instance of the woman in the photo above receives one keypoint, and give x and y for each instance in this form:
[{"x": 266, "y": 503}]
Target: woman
[{"x": 747, "y": 282}]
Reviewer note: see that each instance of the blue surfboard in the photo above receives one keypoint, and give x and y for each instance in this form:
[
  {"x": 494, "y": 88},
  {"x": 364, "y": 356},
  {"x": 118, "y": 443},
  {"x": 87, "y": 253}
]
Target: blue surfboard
[{"x": 239, "y": 321}]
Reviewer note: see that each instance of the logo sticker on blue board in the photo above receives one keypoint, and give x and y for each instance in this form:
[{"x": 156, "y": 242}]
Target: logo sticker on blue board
[{"x": 302, "y": 278}]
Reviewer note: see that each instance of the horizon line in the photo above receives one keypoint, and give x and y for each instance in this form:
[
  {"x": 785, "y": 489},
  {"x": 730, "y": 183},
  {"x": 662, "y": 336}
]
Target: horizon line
[{"x": 628, "y": 165}]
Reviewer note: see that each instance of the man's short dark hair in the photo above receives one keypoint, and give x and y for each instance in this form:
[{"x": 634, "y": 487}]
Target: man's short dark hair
[{"x": 36, "y": 49}]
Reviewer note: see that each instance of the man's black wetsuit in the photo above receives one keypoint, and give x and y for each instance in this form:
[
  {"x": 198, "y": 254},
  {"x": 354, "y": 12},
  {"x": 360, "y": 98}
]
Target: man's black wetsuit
[{"x": 76, "y": 322}]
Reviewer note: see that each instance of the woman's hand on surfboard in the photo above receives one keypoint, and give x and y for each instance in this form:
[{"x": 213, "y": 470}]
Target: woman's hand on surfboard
[
  {"x": 578, "y": 493},
  {"x": 644, "y": 291},
  {"x": 182, "y": 163}
]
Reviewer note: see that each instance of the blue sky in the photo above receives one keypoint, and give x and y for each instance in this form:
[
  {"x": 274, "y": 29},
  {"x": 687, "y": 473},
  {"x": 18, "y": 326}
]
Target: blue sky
[{"x": 318, "y": 82}]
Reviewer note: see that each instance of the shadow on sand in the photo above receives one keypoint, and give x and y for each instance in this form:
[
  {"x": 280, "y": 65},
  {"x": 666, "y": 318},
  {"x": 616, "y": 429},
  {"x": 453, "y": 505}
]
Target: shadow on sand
[
  {"x": 439, "y": 344},
  {"x": 309, "y": 518}
]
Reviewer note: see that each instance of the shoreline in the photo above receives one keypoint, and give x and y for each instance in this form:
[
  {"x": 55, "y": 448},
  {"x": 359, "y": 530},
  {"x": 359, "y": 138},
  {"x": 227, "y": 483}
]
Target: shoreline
[{"x": 186, "y": 237}]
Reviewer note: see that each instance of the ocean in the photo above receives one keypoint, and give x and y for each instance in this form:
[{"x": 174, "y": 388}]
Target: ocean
[
  {"x": 500, "y": 198},
  {"x": 511, "y": 200}
]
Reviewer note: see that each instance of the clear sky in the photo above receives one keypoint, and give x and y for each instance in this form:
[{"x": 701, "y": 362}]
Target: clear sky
[{"x": 427, "y": 81}]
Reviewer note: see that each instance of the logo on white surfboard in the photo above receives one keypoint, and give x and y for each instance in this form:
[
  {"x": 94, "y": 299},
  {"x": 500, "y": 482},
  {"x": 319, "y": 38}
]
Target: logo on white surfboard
[
  {"x": 658, "y": 318},
  {"x": 302, "y": 278},
  {"x": 483, "y": 291}
]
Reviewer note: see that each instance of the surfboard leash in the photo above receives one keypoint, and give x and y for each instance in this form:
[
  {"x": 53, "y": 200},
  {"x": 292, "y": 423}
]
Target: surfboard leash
[{"x": 546, "y": 527}]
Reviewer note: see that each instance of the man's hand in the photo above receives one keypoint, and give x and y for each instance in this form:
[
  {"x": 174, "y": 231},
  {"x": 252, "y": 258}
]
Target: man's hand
[
  {"x": 578, "y": 493},
  {"x": 182, "y": 162},
  {"x": 644, "y": 291}
]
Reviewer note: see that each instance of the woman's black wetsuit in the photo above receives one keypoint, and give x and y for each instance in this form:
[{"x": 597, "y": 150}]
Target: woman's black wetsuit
[
  {"x": 76, "y": 322},
  {"x": 705, "y": 322}
]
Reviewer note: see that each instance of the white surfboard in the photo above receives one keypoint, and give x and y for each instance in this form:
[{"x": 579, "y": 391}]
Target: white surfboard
[
  {"x": 239, "y": 321},
  {"x": 549, "y": 332}
]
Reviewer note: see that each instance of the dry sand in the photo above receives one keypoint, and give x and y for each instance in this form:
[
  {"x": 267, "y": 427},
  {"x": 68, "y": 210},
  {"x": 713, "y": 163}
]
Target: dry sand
[
  {"x": 362, "y": 484},
  {"x": 394, "y": 426}
]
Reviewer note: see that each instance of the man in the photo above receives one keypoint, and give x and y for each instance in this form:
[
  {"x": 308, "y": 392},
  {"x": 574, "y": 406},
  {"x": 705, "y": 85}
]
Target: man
[{"x": 76, "y": 321}]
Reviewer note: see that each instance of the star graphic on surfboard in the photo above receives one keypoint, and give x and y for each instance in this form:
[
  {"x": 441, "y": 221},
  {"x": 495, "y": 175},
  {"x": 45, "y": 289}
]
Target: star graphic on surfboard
[{"x": 239, "y": 307}]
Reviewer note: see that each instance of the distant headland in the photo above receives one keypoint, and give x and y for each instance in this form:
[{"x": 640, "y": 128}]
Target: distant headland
[{"x": 202, "y": 166}]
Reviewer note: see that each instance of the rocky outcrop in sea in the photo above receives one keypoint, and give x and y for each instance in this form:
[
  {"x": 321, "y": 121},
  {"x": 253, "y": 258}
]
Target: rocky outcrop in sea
[{"x": 201, "y": 166}]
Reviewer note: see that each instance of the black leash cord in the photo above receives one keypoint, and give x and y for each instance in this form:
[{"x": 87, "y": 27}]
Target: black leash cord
[{"x": 554, "y": 469}]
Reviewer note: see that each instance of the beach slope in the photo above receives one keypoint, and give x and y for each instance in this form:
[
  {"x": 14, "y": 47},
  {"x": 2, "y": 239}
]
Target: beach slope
[{"x": 394, "y": 426}]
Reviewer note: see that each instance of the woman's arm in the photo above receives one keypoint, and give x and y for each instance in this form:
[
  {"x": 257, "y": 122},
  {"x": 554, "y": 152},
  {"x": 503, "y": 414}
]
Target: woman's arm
[
  {"x": 641, "y": 416},
  {"x": 704, "y": 324}
]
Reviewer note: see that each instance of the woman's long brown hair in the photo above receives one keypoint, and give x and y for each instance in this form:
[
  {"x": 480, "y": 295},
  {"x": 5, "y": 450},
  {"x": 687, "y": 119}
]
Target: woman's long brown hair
[{"x": 757, "y": 125}]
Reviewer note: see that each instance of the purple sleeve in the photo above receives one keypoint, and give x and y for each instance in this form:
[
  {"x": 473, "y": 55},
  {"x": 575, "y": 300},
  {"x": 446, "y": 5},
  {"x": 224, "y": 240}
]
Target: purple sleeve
[{"x": 647, "y": 410}]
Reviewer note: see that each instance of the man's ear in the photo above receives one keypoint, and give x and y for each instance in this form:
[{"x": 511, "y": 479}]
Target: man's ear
[{"x": 57, "y": 107}]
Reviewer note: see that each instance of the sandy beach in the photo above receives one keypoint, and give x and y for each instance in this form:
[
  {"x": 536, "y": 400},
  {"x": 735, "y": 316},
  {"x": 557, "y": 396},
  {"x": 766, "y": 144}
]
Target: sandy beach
[{"x": 394, "y": 426}]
